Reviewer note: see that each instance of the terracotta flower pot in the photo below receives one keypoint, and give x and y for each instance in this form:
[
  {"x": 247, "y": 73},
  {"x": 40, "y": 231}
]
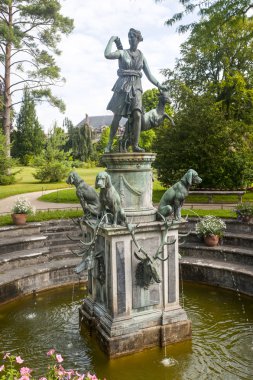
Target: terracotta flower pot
[
  {"x": 19, "y": 219},
  {"x": 211, "y": 240}
]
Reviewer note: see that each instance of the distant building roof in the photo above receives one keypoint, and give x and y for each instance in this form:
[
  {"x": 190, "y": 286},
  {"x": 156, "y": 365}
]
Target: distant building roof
[{"x": 97, "y": 122}]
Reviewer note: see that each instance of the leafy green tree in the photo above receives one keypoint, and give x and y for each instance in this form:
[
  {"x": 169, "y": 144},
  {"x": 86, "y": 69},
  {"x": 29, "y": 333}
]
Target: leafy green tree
[
  {"x": 218, "y": 11},
  {"x": 54, "y": 164},
  {"x": 28, "y": 138},
  {"x": 219, "y": 61},
  {"x": 212, "y": 89},
  {"x": 79, "y": 141},
  {"x": 29, "y": 33},
  {"x": 220, "y": 150}
]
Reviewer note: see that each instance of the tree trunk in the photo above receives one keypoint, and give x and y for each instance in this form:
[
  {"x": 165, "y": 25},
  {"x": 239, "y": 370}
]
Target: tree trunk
[{"x": 7, "y": 90}]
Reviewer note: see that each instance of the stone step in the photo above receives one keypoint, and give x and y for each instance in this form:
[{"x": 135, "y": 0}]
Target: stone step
[
  {"x": 18, "y": 259},
  {"x": 223, "y": 253},
  {"x": 60, "y": 228},
  {"x": 232, "y": 226},
  {"x": 214, "y": 272},
  {"x": 28, "y": 229},
  {"x": 59, "y": 241},
  {"x": 235, "y": 239},
  {"x": 63, "y": 235},
  {"x": 22, "y": 243},
  {"x": 60, "y": 251},
  {"x": 31, "y": 279}
]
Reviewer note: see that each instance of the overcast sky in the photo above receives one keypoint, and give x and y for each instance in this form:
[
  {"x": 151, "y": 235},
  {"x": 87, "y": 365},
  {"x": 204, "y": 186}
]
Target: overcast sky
[{"x": 89, "y": 76}]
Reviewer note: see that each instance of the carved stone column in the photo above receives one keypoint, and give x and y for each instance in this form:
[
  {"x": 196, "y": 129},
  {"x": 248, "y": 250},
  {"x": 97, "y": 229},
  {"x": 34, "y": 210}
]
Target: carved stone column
[{"x": 131, "y": 175}]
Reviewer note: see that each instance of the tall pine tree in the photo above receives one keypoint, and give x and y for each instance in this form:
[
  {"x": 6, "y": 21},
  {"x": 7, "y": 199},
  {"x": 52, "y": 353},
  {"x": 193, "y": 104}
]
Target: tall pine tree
[{"x": 28, "y": 138}]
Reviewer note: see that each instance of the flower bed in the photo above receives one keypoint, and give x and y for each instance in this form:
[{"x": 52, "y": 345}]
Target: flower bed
[{"x": 11, "y": 369}]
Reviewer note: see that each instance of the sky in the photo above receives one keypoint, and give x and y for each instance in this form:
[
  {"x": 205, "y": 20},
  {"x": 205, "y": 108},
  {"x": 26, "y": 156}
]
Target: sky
[{"x": 89, "y": 75}]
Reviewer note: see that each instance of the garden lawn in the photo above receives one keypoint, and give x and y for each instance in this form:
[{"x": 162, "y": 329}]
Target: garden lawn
[
  {"x": 41, "y": 216},
  {"x": 26, "y": 183}
]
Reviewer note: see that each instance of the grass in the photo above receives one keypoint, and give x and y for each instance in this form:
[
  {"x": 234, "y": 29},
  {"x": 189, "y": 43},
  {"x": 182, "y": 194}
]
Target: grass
[
  {"x": 26, "y": 183},
  {"x": 42, "y": 216},
  {"x": 69, "y": 196}
]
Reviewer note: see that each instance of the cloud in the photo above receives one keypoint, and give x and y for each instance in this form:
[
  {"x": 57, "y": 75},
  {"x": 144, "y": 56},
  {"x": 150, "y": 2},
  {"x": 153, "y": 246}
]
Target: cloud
[{"x": 89, "y": 76}]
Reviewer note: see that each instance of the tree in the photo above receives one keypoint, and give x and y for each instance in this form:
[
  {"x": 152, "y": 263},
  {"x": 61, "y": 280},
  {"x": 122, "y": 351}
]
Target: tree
[
  {"x": 220, "y": 61},
  {"x": 28, "y": 138},
  {"x": 54, "y": 164},
  {"x": 6, "y": 163},
  {"x": 220, "y": 150},
  {"x": 212, "y": 86},
  {"x": 218, "y": 11},
  {"x": 29, "y": 33},
  {"x": 79, "y": 141}
]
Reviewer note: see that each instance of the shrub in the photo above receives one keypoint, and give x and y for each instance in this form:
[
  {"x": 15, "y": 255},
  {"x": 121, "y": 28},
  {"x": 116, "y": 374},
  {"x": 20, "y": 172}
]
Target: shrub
[{"x": 54, "y": 171}]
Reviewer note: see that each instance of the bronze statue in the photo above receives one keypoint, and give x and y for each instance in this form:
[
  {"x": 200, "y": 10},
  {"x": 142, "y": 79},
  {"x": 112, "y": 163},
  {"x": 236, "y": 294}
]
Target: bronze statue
[
  {"x": 109, "y": 199},
  {"x": 149, "y": 120},
  {"x": 173, "y": 199},
  {"x": 127, "y": 91},
  {"x": 87, "y": 196}
]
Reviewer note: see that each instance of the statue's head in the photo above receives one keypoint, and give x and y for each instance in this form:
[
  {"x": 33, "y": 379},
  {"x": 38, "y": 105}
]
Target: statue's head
[{"x": 134, "y": 36}]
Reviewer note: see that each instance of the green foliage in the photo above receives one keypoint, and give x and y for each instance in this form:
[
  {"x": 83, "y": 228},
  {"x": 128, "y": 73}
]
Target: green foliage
[
  {"x": 244, "y": 209},
  {"x": 218, "y": 11},
  {"x": 30, "y": 31},
  {"x": 220, "y": 150},
  {"x": 6, "y": 163},
  {"x": 22, "y": 206},
  {"x": 28, "y": 138},
  {"x": 210, "y": 225},
  {"x": 54, "y": 164},
  {"x": 212, "y": 87},
  {"x": 79, "y": 141},
  {"x": 12, "y": 368}
]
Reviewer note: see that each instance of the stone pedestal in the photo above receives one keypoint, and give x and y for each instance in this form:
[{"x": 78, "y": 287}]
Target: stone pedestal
[
  {"x": 125, "y": 315},
  {"x": 132, "y": 177}
]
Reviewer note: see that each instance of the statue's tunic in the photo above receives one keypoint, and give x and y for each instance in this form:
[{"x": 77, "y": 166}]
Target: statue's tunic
[{"x": 128, "y": 89}]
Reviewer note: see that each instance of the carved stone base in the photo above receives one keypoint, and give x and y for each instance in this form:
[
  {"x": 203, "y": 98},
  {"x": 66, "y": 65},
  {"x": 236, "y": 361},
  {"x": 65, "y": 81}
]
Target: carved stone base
[
  {"x": 126, "y": 312},
  {"x": 123, "y": 336}
]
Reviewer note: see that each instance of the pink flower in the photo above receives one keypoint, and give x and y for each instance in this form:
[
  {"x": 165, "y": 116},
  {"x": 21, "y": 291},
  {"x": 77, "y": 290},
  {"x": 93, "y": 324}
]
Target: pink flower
[
  {"x": 25, "y": 371},
  {"x": 25, "y": 377},
  {"x": 7, "y": 355},
  {"x": 59, "y": 358},
  {"x": 42, "y": 378},
  {"x": 2, "y": 368},
  {"x": 91, "y": 377},
  {"x": 80, "y": 377},
  {"x": 19, "y": 360},
  {"x": 51, "y": 352}
]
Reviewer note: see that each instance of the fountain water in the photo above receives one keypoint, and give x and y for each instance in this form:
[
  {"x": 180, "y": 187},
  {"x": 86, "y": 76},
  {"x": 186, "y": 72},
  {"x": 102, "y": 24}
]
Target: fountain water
[{"x": 221, "y": 346}]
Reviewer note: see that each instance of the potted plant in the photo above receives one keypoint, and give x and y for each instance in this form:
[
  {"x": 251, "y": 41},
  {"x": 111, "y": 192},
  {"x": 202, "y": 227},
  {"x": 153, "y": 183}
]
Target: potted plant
[
  {"x": 244, "y": 212},
  {"x": 211, "y": 229},
  {"x": 21, "y": 208}
]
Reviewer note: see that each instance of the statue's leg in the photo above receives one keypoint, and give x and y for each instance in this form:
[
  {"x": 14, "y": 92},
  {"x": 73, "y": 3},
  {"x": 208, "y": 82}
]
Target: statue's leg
[
  {"x": 113, "y": 131},
  {"x": 136, "y": 130}
]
